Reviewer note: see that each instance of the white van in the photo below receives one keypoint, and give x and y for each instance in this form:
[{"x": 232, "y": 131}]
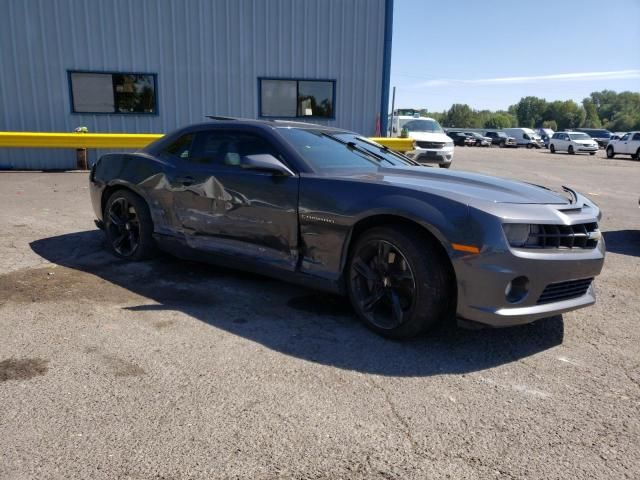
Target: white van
[{"x": 525, "y": 137}]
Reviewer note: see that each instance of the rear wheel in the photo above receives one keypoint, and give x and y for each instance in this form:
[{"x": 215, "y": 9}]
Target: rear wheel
[
  {"x": 128, "y": 226},
  {"x": 398, "y": 281},
  {"x": 570, "y": 150},
  {"x": 552, "y": 148},
  {"x": 501, "y": 145},
  {"x": 610, "y": 152}
]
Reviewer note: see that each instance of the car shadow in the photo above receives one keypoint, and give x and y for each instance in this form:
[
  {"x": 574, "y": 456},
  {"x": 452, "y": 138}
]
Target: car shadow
[
  {"x": 624, "y": 242},
  {"x": 295, "y": 321}
]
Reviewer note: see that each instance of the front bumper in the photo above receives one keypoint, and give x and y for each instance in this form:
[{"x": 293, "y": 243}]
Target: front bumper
[
  {"x": 483, "y": 279},
  {"x": 583, "y": 148},
  {"x": 442, "y": 156}
]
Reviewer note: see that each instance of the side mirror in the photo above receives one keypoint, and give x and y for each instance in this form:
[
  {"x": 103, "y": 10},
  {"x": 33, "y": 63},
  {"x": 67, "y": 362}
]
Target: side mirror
[{"x": 266, "y": 162}]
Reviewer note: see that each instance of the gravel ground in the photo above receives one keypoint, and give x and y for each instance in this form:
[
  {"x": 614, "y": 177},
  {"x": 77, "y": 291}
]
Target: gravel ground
[{"x": 172, "y": 370}]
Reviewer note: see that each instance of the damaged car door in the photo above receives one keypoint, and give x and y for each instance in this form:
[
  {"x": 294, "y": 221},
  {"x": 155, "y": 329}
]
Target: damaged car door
[{"x": 228, "y": 204}]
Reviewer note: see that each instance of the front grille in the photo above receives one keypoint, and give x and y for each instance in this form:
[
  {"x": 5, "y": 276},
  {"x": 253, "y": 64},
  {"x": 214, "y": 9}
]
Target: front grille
[
  {"x": 425, "y": 144},
  {"x": 557, "y": 292},
  {"x": 583, "y": 235}
]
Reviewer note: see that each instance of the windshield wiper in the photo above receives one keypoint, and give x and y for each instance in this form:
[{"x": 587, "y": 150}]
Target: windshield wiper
[
  {"x": 387, "y": 150},
  {"x": 358, "y": 148}
]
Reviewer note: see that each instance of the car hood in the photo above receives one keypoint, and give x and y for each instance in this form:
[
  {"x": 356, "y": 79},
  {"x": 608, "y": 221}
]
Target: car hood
[
  {"x": 467, "y": 186},
  {"x": 430, "y": 136}
]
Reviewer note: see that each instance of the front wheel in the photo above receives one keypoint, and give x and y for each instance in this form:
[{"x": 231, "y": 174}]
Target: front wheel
[
  {"x": 529, "y": 145},
  {"x": 552, "y": 148},
  {"x": 399, "y": 282},
  {"x": 592, "y": 153},
  {"x": 610, "y": 152},
  {"x": 128, "y": 226},
  {"x": 444, "y": 165},
  {"x": 571, "y": 151}
]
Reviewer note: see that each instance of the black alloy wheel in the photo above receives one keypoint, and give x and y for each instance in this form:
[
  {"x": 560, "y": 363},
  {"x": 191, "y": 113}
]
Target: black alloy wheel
[
  {"x": 124, "y": 227},
  {"x": 398, "y": 281},
  {"x": 128, "y": 226},
  {"x": 383, "y": 284}
]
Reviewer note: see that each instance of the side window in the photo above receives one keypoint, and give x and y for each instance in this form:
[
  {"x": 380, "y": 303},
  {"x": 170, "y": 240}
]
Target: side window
[
  {"x": 636, "y": 136},
  {"x": 225, "y": 148},
  {"x": 181, "y": 148},
  {"x": 625, "y": 137}
]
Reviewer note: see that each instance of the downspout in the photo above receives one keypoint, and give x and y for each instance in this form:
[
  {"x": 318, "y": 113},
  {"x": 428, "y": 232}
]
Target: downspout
[{"x": 386, "y": 67}]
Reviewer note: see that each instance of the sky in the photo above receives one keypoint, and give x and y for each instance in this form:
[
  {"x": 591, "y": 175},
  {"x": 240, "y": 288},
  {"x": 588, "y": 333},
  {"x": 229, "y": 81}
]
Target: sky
[{"x": 489, "y": 54}]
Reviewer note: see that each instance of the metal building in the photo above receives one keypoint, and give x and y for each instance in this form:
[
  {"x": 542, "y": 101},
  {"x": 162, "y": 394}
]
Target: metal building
[{"x": 149, "y": 66}]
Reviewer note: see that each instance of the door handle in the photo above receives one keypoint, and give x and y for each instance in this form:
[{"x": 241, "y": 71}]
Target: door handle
[{"x": 186, "y": 181}]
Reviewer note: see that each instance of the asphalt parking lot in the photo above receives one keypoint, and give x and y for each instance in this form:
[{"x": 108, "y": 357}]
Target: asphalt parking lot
[{"x": 170, "y": 370}]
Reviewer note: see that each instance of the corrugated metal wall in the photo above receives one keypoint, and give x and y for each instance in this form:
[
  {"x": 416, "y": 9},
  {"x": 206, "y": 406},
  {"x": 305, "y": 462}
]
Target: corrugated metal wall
[{"x": 208, "y": 55}]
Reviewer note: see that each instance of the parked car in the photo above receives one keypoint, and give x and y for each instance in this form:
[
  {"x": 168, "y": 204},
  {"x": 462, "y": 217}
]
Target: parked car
[
  {"x": 545, "y": 135},
  {"x": 628, "y": 144},
  {"x": 525, "y": 137},
  {"x": 501, "y": 139},
  {"x": 573, "y": 142},
  {"x": 461, "y": 139},
  {"x": 328, "y": 208},
  {"x": 600, "y": 135},
  {"x": 432, "y": 145},
  {"x": 480, "y": 140}
]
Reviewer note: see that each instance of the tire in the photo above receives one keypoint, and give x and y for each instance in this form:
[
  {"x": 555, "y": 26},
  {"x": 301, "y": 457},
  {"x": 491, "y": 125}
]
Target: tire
[
  {"x": 444, "y": 165},
  {"x": 501, "y": 145},
  {"x": 610, "y": 152},
  {"x": 552, "y": 148},
  {"x": 592, "y": 153},
  {"x": 637, "y": 156},
  {"x": 570, "y": 150},
  {"x": 128, "y": 226},
  {"x": 399, "y": 282},
  {"x": 529, "y": 146}
]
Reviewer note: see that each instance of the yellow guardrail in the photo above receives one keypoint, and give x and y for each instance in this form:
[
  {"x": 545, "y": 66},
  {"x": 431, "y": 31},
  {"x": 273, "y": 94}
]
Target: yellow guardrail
[
  {"x": 76, "y": 140},
  {"x": 395, "y": 143},
  {"x": 124, "y": 140}
]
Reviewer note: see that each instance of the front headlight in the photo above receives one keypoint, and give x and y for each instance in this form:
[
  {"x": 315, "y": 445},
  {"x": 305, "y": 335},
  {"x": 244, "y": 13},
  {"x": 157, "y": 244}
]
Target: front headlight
[
  {"x": 518, "y": 234},
  {"x": 449, "y": 144}
]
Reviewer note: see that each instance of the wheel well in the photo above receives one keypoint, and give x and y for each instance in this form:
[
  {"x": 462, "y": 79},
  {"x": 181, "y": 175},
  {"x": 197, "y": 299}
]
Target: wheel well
[{"x": 391, "y": 220}]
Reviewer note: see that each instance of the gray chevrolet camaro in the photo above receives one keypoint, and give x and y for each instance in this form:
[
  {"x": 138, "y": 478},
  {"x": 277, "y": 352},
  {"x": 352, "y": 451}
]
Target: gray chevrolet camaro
[{"x": 410, "y": 245}]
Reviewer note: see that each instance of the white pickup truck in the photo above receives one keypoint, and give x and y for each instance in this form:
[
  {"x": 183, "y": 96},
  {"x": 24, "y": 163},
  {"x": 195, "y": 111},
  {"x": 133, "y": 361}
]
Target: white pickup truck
[
  {"x": 432, "y": 145},
  {"x": 629, "y": 144}
]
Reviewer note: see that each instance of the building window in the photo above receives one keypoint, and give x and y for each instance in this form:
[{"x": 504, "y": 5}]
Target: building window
[
  {"x": 286, "y": 98},
  {"x": 117, "y": 93}
]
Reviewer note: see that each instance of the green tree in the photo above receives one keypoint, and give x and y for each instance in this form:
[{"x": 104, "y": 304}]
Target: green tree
[
  {"x": 498, "y": 121},
  {"x": 567, "y": 114},
  {"x": 592, "y": 120},
  {"x": 550, "y": 124},
  {"x": 530, "y": 111},
  {"x": 459, "y": 115}
]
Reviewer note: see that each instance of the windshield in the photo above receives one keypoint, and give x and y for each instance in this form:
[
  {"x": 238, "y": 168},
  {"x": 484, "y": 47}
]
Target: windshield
[
  {"x": 325, "y": 150},
  {"x": 423, "y": 125},
  {"x": 579, "y": 136},
  {"x": 502, "y": 135}
]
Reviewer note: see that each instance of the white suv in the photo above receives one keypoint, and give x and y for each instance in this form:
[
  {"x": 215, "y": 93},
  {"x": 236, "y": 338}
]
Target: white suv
[
  {"x": 431, "y": 143},
  {"x": 573, "y": 142},
  {"x": 628, "y": 144}
]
